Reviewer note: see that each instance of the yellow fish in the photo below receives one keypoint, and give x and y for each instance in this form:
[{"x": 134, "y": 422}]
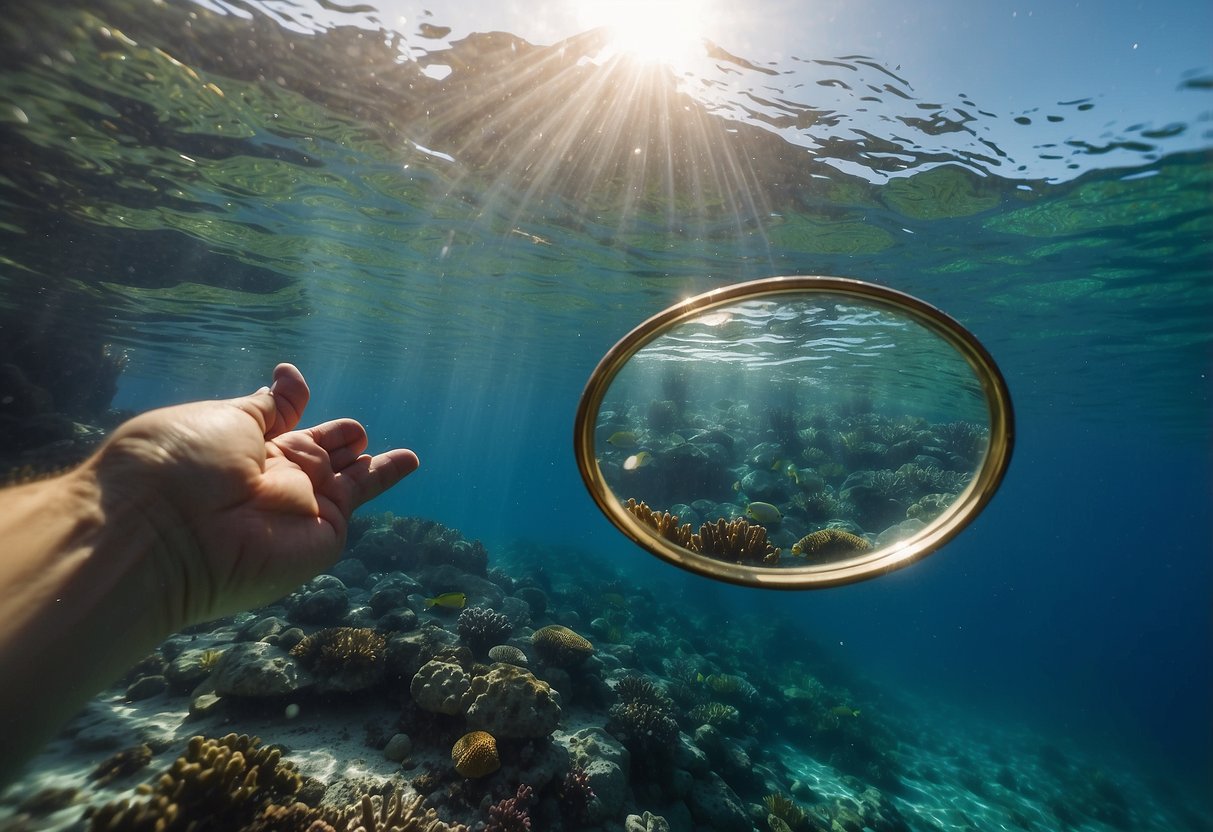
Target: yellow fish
[
  {"x": 450, "y": 600},
  {"x": 622, "y": 439},
  {"x": 763, "y": 513},
  {"x": 637, "y": 461},
  {"x": 843, "y": 710}
]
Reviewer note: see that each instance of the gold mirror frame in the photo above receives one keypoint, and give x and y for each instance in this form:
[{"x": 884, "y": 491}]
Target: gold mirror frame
[{"x": 867, "y": 565}]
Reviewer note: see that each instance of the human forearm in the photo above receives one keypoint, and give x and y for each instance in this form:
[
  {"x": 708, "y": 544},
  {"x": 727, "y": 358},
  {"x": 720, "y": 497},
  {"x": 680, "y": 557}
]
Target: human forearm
[{"x": 79, "y": 602}]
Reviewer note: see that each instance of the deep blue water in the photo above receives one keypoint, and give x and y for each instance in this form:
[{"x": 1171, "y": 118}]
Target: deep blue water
[{"x": 459, "y": 311}]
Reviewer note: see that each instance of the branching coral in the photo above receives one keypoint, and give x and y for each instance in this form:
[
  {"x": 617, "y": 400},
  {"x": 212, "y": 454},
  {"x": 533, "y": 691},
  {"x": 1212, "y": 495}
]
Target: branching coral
[
  {"x": 665, "y": 524},
  {"x": 511, "y": 814},
  {"x": 395, "y": 813},
  {"x": 732, "y": 687},
  {"x": 576, "y": 794},
  {"x": 737, "y": 541},
  {"x": 830, "y": 543},
  {"x": 713, "y": 713},
  {"x": 217, "y": 784},
  {"x": 635, "y": 688},
  {"x": 343, "y": 658},
  {"x": 481, "y": 628}
]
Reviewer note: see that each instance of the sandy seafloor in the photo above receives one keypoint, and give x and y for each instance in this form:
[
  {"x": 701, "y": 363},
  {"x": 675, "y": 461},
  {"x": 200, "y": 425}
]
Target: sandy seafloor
[{"x": 955, "y": 772}]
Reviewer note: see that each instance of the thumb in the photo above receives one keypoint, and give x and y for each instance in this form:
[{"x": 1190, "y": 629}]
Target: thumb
[{"x": 279, "y": 407}]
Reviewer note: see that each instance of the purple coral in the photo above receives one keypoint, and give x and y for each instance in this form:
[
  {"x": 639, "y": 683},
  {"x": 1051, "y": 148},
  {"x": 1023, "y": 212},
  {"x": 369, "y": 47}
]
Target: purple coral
[
  {"x": 511, "y": 814},
  {"x": 576, "y": 795}
]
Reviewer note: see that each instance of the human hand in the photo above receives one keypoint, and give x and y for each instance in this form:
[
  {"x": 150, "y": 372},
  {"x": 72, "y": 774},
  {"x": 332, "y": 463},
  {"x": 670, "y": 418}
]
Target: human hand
[{"x": 242, "y": 506}]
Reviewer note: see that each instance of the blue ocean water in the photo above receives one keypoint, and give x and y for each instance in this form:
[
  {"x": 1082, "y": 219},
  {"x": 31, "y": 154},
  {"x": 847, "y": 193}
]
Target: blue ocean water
[{"x": 442, "y": 271}]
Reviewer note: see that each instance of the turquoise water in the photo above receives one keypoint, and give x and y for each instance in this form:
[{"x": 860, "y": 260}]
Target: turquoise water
[{"x": 187, "y": 198}]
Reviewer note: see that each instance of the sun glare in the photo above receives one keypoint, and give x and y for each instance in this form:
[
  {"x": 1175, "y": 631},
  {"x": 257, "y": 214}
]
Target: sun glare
[{"x": 656, "y": 31}]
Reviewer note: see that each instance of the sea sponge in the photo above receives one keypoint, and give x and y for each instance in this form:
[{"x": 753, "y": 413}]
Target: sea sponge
[
  {"x": 343, "y": 658},
  {"x": 510, "y": 702},
  {"x": 737, "y": 541},
  {"x": 665, "y": 524},
  {"x": 830, "y": 543},
  {"x": 481, "y": 627},
  {"x": 219, "y": 784},
  {"x": 560, "y": 646},
  {"x": 475, "y": 754}
]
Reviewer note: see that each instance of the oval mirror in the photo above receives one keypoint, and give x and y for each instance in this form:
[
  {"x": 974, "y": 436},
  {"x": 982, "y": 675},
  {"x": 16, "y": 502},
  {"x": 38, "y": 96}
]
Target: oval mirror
[{"x": 794, "y": 432}]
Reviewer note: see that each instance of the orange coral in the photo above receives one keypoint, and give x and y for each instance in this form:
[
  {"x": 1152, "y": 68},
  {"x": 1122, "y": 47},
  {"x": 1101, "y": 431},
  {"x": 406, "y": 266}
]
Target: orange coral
[
  {"x": 475, "y": 754},
  {"x": 736, "y": 540},
  {"x": 665, "y": 524}
]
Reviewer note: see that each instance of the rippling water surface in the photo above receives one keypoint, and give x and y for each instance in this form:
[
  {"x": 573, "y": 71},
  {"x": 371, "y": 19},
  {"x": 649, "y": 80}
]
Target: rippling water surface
[{"x": 446, "y": 226}]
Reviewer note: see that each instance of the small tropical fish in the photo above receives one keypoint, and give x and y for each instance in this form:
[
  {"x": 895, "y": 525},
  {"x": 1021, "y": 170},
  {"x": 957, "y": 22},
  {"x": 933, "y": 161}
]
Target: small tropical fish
[
  {"x": 637, "y": 461},
  {"x": 450, "y": 600},
  {"x": 844, "y": 710},
  {"x": 763, "y": 512},
  {"x": 792, "y": 472},
  {"x": 622, "y": 439}
]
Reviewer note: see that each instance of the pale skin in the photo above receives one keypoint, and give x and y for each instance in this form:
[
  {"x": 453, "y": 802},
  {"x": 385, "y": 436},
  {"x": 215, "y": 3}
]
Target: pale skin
[{"x": 184, "y": 514}]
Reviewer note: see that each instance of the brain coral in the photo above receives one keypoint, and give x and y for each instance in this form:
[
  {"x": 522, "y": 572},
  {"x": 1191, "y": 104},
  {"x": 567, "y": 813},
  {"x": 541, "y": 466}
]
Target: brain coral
[
  {"x": 510, "y": 702},
  {"x": 830, "y": 543},
  {"x": 441, "y": 687},
  {"x": 475, "y": 754},
  {"x": 561, "y": 646}
]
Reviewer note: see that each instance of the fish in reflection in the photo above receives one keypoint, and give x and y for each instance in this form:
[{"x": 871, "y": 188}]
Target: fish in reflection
[
  {"x": 622, "y": 439},
  {"x": 449, "y": 600},
  {"x": 761, "y": 512},
  {"x": 637, "y": 461}
]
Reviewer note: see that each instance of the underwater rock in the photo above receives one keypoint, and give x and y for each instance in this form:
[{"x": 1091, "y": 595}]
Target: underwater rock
[
  {"x": 258, "y": 669},
  {"x": 535, "y": 598},
  {"x": 442, "y": 687},
  {"x": 398, "y": 747},
  {"x": 260, "y": 628},
  {"x": 766, "y": 487},
  {"x": 187, "y": 670},
  {"x": 145, "y": 687},
  {"x": 433, "y": 544},
  {"x": 515, "y": 609},
  {"x": 382, "y": 550},
  {"x": 899, "y": 531},
  {"x": 389, "y": 599},
  {"x": 408, "y": 652},
  {"x": 648, "y": 822},
  {"x": 350, "y": 571},
  {"x": 398, "y": 621},
  {"x": 322, "y": 600},
  {"x": 607, "y": 765},
  {"x": 714, "y": 804},
  {"x": 443, "y": 578},
  {"x": 689, "y": 756},
  {"x": 510, "y": 702}
]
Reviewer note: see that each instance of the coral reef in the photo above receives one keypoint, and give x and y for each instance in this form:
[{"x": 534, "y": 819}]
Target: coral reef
[
  {"x": 558, "y": 645},
  {"x": 510, "y": 702},
  {"x": 511, "y": 814},
  {"x": 665, "y": 524},
  {"x": 217, "y": 784},
  {"x": 736, "y": 541},
  {"x": 576, "y": 795},
  {"x": 123, "y": 764},
  {"x": 343, "y": 658},
  {"x": 475, "y": 754},
  {"x": 829, "y": 543},
  {"x": 480, "y": 628}
]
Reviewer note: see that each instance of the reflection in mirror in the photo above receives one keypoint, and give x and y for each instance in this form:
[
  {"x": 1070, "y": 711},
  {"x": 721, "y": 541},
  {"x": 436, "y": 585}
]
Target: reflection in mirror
[{"x": 792, "y": 430}]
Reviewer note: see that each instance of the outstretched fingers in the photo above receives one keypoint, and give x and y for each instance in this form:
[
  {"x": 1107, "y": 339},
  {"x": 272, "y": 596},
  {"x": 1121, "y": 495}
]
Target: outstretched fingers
[{"x": 370, "y": 476}]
